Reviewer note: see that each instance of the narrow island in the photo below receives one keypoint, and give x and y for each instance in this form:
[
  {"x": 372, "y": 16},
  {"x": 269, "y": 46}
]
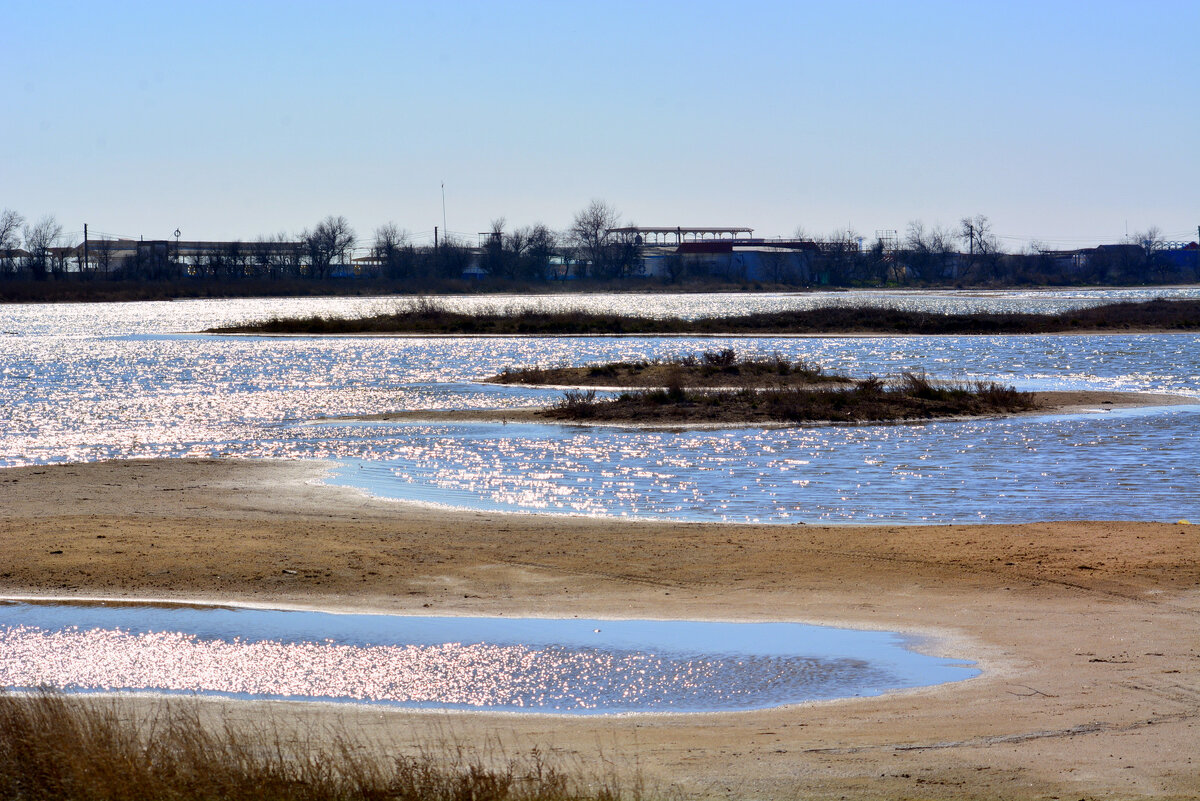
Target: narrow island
[
  {"x": 428, "y": 317},
  {"x": 722, "y": 387},
  {"x": 719, "y": 389}
]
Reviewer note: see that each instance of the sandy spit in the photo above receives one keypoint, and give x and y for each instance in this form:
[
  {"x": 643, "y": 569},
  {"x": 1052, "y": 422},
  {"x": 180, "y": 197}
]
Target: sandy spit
[
  {"x": 1065, "y": 402},
  {"x": 1088, "y": 632}
]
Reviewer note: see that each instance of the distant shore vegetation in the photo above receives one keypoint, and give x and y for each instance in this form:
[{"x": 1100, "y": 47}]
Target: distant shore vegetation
[
  {"x": 40, "y": 261},
  {"x": 720, "y": 387},
  {"x": 425, "y": 316}
]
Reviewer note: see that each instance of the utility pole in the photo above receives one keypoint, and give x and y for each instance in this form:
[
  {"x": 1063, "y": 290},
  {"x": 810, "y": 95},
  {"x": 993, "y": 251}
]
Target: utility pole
[
  {"x": 86, "y": 263},
  {"x": 435, "y": 241}
]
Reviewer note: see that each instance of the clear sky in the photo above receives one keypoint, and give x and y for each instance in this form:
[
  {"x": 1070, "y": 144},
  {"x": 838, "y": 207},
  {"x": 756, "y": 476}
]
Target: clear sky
[{"x": 1065, "y": 122}]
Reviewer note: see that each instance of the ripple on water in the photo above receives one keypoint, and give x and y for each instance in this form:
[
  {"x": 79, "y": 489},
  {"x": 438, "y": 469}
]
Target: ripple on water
[
  {"x": 1123, "y": 465},
  {"x": 110, "y": 381}
]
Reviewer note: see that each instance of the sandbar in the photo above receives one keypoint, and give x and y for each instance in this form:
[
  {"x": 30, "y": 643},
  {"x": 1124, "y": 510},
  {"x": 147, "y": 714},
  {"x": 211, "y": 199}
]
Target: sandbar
[
  {"x": 1087, "y": 632},
  {"x": 1052, "y": 402}
]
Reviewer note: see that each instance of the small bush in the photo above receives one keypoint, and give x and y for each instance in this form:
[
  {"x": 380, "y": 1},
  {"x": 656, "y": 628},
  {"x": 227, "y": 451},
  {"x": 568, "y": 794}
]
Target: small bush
[
  {"x": 578, "y": 402},
  {"x": 720, "y": 359}
]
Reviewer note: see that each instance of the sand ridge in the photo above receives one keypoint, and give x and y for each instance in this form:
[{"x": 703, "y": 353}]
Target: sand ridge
[{"x": 1087, "y": 631}]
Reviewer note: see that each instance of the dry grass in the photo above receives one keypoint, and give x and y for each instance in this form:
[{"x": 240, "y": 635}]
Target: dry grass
[
  {"x": 58, "y": 747},
  {"x": 716, "y": 368},
  {"x": 721, "y": 387},
  {"x": 911, "y": 396},
  {"x": 428, "y": 317}
]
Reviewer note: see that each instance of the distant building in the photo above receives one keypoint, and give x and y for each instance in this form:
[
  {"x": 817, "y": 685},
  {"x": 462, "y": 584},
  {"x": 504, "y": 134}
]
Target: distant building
[{"x": 729, "y": 253}]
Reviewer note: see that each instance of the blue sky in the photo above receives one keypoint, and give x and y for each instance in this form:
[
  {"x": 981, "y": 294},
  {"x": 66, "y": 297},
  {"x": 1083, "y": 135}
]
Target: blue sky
[{"x": 1066, "y": 122}]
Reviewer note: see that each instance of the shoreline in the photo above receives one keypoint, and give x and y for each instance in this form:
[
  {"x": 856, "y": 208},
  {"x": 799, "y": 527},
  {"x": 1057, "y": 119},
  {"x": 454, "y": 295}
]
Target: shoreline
[
  {"x": 1086, "y": 630},
  {"x": 1135, "y": 331},
  {"x": 1053, "y": 403}
]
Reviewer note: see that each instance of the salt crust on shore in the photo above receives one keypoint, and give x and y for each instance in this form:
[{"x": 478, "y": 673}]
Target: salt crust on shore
[{"x": 1087, "y": 631}]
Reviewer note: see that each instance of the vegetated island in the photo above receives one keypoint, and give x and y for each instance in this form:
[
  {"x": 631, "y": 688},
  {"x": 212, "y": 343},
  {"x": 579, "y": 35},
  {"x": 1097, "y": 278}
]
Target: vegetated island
[
  {"x": 423, "y": 316},
  {"x": 721, "y": 387}
]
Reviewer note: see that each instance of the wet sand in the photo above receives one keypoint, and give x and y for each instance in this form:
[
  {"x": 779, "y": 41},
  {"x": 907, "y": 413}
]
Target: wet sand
[{"x": 1087, "y": 632}]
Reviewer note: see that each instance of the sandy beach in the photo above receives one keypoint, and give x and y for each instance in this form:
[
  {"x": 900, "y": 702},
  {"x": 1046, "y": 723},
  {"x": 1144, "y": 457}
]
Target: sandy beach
[{"x": 1087, "y": 632}]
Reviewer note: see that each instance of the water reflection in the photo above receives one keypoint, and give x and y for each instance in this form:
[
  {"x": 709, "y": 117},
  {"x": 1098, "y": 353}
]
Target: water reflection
[
  {"x": 108, "y": 381},
  {"x": 1123, "y": 465},
  {"x": 567, "y": 666}
]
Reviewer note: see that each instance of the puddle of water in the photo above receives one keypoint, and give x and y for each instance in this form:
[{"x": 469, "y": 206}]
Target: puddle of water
[{"x": 493, "y": 664}]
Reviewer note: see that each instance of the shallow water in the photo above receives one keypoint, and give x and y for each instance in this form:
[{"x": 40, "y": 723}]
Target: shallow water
[
  {"x": 495, "y": 664},
  {"x": 102, "y": 381},
  {"x": 1121, "y": 465}
]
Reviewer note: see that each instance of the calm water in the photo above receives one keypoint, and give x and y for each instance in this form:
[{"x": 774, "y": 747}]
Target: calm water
[
  {"x": 496, "y": 664},
  {"x": 100, "y": 381}
]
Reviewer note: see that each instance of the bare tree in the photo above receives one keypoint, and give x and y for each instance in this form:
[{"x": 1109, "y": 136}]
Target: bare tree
[
  {"x": 493, "y": 251},
  {"x": 928, "y": 250},
  {"x": 450, "y": 259},
  {"x": 841, "y": 251},
  {"x": 977, "y": 233},
  {"x": 39, "y": 238},
  {"x": 540, "y": 245},
  {"x": 1151, "y": 242},
  {"x": 102, "y": 252},
  {"x": 590, "y": 233},
  {"x": 330, "y": 239},
  {"x": 986, "y": 258},
  {"x": 289, "y": 254},
  {"x": 10, "y": 229},
  {"x": 516, "y": 243},
  {"x": 392, "y": 251},
  {"x": 262, "y": 254}
]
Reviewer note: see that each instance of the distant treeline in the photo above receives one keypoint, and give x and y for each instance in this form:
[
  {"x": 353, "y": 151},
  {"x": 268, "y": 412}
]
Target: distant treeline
[{"x": 36, "y": 263}]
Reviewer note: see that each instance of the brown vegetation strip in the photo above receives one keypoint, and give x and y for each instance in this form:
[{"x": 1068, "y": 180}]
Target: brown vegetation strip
[
  {"x": 719, "y": 368},
  {"x": 759, "y": 390},
  {"x": 424, "y": 317}
]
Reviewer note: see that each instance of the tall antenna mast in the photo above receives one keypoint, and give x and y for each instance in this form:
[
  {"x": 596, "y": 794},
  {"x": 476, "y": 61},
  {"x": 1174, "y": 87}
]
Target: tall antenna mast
[{"x": 444, "y": 228}]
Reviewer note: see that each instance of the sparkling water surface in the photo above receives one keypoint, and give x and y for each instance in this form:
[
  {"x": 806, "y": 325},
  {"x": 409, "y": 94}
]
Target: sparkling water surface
[
  {"x": 88, "y": 382},
  {"x": 496, "y": 664}
]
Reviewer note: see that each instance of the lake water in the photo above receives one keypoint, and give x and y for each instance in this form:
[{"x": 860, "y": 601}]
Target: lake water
[
  {"x": 494, "y": 664},
  {"x": 101, "y": 381}
]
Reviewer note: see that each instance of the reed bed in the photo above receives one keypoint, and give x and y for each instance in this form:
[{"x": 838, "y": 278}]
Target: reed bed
[
  {"x": 424, "y": 316},
  {"x": 910, "y": 396},
  {"x": 714, "y": 368},
  {"x": 58, "y": 747},
  {"x": 720, "y": 386}
]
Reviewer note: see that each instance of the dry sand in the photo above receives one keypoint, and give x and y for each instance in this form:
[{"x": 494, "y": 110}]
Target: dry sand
[{"x": 1086, "y": 631}]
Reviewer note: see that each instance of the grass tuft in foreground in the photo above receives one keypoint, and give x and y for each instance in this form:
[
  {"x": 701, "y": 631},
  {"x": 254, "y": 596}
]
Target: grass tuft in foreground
[{"x": 57, "y": 747}]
